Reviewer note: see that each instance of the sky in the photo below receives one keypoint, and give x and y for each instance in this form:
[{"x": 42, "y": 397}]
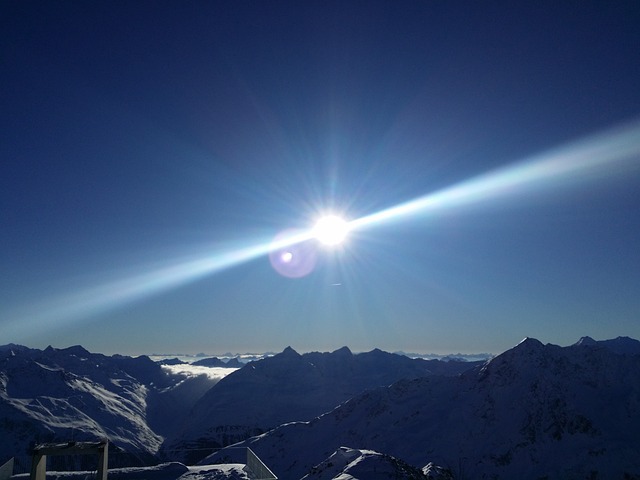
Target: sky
[{"x": 486, "y": 155}]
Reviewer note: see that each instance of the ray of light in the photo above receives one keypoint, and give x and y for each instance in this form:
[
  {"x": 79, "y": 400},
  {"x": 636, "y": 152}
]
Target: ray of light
[
  {"x": 615, "y": 151},
  {"x": 112, "y": 295},
  {"x": 605, "y": 154}
]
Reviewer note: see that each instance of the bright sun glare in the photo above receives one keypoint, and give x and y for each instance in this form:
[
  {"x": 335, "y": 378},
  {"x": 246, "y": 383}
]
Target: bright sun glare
[{"x": 331, "y": 230}]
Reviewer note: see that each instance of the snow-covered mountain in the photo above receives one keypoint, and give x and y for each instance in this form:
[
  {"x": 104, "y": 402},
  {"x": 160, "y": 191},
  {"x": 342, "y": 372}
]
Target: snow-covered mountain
[
  {"x": 621, "y": 345},
  {"x": 351, "y": 464},
  {"x": 535, "y": 411},
  {"x": 51, "y": 395},
  {"x": 292, "y": 387},
  {"x": 72, "y": 394}
]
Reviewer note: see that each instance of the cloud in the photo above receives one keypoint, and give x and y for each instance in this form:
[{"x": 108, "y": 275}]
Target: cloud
[{"x": 216, "y": 373}]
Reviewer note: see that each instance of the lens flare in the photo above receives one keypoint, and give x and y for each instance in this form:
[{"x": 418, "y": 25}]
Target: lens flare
[{"x": 293, "y": 260}]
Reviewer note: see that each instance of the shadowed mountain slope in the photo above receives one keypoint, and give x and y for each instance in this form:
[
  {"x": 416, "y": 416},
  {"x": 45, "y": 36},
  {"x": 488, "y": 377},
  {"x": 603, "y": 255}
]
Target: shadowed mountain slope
[
  {"x": 535, "y": 411},
  {"x": 292, "y": 387}
]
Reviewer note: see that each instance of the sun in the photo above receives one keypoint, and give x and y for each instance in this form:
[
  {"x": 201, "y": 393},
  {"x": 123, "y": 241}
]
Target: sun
[{"x": 331, "y": 230}]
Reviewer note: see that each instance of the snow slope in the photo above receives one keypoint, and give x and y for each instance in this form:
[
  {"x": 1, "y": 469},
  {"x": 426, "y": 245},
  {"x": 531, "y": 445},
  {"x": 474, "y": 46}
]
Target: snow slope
[
  {"x": 165, "y": 471},
  {"x": 67, "y": 394},
  {"x": 535, "y": 411},
  {"x": 352, "y": 464}
]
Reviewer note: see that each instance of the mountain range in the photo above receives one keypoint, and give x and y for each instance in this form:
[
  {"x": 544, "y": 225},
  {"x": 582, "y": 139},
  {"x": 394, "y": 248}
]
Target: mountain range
[
  {"x": 535, "y": 411},
  {"x": 72, "y": 394},
  {"x": 291, "y": 387}
]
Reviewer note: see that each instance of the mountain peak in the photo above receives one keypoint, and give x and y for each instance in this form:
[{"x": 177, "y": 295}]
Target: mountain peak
[
  {"x": 585, "y": 341},
  {"x": 622, "y": 345},
  {"x": 343, "y": 351},
  {"x": 376, "y": 352},
  {"x": 12, "y": 348},
  {"x": 77, "y": 350},
  {"x": 290, "y": 352},
  {"x": 354, "y": 463},
  {"x": 530, "y": 343},
  {"x": 619, "y": 345},
  {"x": 209, "y": 362},
  {"x": 510, "y": 362}
]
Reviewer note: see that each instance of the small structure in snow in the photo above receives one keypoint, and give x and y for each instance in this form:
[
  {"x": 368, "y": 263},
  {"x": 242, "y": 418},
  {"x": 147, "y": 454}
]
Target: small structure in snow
[{"x": 39, "y": 459}]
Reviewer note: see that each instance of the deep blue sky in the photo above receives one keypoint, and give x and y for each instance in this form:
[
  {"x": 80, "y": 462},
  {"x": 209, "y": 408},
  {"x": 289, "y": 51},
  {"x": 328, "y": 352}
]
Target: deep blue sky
[{"x": 135, "y": 135}]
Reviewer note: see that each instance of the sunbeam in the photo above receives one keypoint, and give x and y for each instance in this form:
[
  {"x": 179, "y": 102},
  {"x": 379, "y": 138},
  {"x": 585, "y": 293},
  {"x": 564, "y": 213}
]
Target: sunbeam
[
  {"x": 615, "y": 151},
  {"x": 112, "y": 295},
  {"x": 604, "y": 153}
]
